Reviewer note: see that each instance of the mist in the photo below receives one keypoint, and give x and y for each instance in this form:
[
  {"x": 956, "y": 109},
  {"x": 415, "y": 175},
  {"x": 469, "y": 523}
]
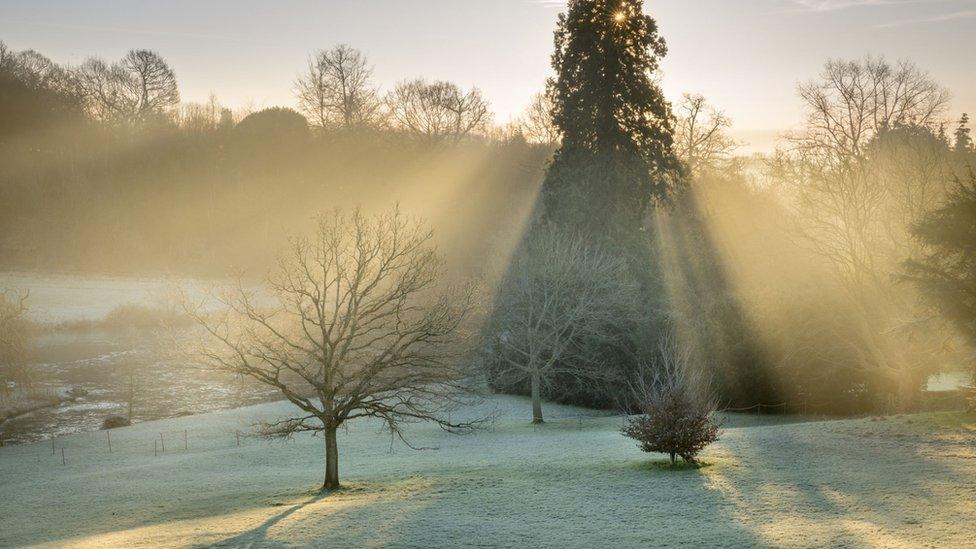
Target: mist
[{"x": 391, "y": 271}]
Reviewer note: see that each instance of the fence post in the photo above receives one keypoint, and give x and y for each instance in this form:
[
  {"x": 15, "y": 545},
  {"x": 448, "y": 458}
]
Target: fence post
[
  {"x": 63, "y": 462},
  {"x": 1, "y": 439},
  {"x": 52, "y": 446},
  {"x": 162, "y": 445},
  {"x": 580, "y": 426},
  {"x": 155, "y": 448},
  {"x": 186, "y": 444},
  {"x": 108, "y": 434},
  {"x": 238, "y": 433}
]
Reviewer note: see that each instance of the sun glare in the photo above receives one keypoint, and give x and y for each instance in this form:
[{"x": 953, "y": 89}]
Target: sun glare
[{"x": 620, "y": 17}]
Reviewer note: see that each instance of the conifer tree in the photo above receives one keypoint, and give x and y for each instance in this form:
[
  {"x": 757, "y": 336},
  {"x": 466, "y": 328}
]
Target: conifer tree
[
  {"x": 617, "y": 128},
  {"x": 964, "y": 143}
]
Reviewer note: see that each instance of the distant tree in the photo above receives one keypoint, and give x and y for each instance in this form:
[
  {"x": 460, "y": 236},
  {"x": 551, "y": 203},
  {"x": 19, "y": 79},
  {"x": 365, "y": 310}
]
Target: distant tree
[
  {"x": 871, "y": 161},
  {"x": 701, "y": 138},
  {"x": 677, "y": 414},
  {"x": 35, "y": 94},
  {"x": 963, "y": 141},
  {"x": 564, "y": 303},
  {"x": 439, "y": 111},
  {"x": 853, "y": 101},
  {"x": 856, "y": 214},
  {"x": 337, "y": 92},
  {"x": 354, "y": 328},
  {"x": 617, "y": 151},
  {"x": 137, "y": 88},
  {"x": 273, "y": 126},
  {"x": 13, "y": 336},
  {"x": 6, "y": 55},
  {"x": 205, "y": 117},
  {"x": 945, "y": 270},
  {"x": 538, "y": 124}
]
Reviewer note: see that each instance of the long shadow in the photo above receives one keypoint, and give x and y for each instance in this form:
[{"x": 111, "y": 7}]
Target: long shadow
[
  {"x": 729, "y": 337},
  {"x": 258, "y": 536}
]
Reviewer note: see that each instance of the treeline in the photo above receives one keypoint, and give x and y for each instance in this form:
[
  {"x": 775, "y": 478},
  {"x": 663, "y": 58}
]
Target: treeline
[{"x": 103, "y": 169}]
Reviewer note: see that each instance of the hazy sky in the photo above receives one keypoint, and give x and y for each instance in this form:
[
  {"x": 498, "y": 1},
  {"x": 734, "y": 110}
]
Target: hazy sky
[{"x": 746, "y": 56}]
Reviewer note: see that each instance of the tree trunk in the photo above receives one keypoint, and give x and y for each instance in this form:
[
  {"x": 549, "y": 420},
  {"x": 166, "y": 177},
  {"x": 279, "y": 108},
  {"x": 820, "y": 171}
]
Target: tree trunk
[
  {"x": 331, "y": 460},
  {"x": 536, "y": 400}
]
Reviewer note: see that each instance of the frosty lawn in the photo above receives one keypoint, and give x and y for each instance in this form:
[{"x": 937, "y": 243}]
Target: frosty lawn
[{"x": 569, "y": 483}]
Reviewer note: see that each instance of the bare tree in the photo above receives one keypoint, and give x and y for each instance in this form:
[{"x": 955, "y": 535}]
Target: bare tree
[
  {"x": 13, "y": 335},
  {"x": 337, "y": 92},
  {"x": 855, "y": 100},
  {"x": 354, "y": 328},
  {"x": 204, "y": 117},
  {"x": 561, "y": 305},
  {"x": 868, "y": 165},
  {"x": 6, "y": 56},
  {"x": 438, "y": 111},
  {"x": 701, "y": 139},
  {"x": 138, "y": 87},
  {"x": 538, "y": 124}
]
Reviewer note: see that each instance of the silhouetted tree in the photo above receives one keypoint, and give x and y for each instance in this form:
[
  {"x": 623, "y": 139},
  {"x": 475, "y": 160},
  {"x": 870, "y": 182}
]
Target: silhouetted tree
[
  {"x": 963, "y": 141},
  {"x": 35, "y": 94},
  {"x": 538, "y": 124},
  {"x": 137, "y": 88},
  {"x": 945, "y": 271},
  {"x": 273, "y": 128},
  {"x": 354, "y": 329},
  {"x": 701, "y": 138},
  {"x": 853, "y": 101},
  {"x": 439, "y": 111},
  {"x": 337, "y": 92},
  {"x": 617, "y": 128}
]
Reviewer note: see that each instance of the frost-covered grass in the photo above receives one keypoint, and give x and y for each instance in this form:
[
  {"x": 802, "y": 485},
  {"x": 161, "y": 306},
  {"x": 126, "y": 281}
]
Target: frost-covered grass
[{"x": 905, "y": 481}]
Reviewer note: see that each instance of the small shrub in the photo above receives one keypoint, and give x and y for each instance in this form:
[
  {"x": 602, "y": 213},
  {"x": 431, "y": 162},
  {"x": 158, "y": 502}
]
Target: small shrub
[
  {"x": 114, "y": 422},
  {"x": 677, "y": 417}
]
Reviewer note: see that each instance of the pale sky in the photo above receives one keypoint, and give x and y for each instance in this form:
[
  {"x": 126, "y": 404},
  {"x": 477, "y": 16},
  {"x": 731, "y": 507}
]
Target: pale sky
[{"x": 746, "y": 56}]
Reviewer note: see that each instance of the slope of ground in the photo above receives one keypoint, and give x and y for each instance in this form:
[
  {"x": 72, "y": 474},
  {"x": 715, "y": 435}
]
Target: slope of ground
[{"x": 575, "y": 482}]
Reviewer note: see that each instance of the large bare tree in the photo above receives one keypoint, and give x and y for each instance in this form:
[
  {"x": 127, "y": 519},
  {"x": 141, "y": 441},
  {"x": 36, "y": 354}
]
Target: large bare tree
[
  {"x": 354, "y": 326},
  {"x": 853, "y": 101},
  {"x": 438, "y": 111},
  {"x": 867, "y": 165},
  {"x": 337, "y": 92},
  {"x": 561, "y": 305}
]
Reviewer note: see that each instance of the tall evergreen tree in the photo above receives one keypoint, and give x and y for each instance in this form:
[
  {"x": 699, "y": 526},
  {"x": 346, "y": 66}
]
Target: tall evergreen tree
[
  {"x": 615, "y": 159},
  {"x": 617, "y": 128},
  {"x": 946, "y": 271}
]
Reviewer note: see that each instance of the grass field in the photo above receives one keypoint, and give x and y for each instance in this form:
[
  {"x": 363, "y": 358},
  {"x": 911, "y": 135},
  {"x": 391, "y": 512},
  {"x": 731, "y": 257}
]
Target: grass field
[{"x": 575, "y": 482}]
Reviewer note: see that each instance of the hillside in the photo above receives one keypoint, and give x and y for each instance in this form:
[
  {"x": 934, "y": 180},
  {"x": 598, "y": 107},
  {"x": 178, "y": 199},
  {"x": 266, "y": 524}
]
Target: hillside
[{"x": 574, "y": 482}]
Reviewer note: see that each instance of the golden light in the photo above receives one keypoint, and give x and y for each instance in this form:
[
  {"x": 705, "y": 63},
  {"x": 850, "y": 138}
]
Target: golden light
[{"x": 619, "y": 17}]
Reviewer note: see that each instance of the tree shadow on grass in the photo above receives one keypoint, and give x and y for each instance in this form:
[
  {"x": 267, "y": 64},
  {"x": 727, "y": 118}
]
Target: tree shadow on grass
[{"x": 258, "y": 536}]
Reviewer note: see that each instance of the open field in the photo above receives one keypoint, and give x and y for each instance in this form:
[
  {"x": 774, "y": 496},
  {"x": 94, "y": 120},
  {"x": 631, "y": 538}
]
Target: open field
[{"x": 904, "y": 481}]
